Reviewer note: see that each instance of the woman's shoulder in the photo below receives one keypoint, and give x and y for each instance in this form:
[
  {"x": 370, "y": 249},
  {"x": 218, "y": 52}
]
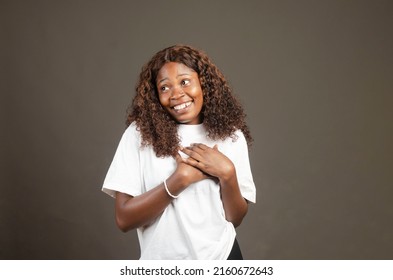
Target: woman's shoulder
[
  {"x": 239, "y": 136},
  {"x": 236, "y": 138},
  {"x": 132, "y": 131},
  {"x": 239, "y": 133},
  {"x": 132, "y": 127}
]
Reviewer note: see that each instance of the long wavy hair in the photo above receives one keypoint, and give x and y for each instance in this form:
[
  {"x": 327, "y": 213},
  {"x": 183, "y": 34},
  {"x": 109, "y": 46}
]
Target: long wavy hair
[{"x": 222, "y": 113}]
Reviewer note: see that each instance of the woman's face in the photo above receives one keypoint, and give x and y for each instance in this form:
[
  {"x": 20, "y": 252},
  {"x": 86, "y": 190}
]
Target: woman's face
[{"x": 180, "y": 92}]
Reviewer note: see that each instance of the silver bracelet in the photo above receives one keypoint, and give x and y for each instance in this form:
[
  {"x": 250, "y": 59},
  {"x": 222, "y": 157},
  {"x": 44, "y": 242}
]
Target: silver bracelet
[{"x": 168, "y": 192}]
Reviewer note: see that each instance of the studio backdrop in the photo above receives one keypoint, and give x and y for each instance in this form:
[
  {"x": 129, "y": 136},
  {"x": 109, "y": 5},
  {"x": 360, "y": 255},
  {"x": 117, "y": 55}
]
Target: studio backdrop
[{"x": 315, "y": 79}]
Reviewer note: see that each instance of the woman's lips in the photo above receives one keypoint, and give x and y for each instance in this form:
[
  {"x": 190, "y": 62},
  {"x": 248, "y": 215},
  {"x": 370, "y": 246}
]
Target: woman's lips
[{"x": 182, "y": 106}]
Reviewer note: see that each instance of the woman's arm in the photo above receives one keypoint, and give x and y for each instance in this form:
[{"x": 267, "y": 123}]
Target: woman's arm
[
  {"x": 235, "y": 205},
  {"x": 213, "y": 162},
  {"x": 133, "y": 212}
]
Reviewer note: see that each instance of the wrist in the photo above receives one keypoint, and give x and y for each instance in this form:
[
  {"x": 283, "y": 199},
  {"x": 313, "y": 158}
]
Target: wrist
[
  {"x": 168, "y": 191},
  {"x": 228, "y": 175},
  {"x": 175, "y": 184}
]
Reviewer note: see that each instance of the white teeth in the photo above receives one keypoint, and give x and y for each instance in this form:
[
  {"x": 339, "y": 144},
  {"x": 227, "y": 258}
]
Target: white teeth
[{"x": 182, "y": 106}]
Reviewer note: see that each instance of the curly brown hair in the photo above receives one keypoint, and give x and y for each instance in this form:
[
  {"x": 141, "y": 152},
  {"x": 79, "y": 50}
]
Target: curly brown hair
[{"x": 222, "y": 113}]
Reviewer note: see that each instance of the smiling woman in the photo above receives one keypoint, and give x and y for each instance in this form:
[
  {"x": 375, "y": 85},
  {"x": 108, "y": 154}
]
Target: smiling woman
[
  {"x": 222, "y": 114},
  {"x": 180, "y": 92},
  {"x": 183, "y": 207}
]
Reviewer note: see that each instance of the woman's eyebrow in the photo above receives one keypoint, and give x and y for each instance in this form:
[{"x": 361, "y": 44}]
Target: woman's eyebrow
[
  {"x": 179, "y": 75},
  {"x": 184, "y": 74},
  {"x": 162, "y": 80}
]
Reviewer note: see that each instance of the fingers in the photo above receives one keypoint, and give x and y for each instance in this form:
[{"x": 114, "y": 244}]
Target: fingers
[
  {"x": 200, "y": 146},
  {"x": 190, "y": 161},
  {"x": 199, "y": 155},
  {"x": 177, "y": 157},
  {"x": 194, "y": 152},
  {"x": 203, "y": 147},
  {"x": 193, "y": 162}
]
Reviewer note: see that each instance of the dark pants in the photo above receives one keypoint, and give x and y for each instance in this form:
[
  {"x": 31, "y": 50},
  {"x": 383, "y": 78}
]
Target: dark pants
[{"x": 235, "y": 253}]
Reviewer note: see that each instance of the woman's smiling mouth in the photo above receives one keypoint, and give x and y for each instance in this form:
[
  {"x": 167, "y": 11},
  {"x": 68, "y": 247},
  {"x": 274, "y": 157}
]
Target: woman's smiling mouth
[{"x": 182, "y": 106}]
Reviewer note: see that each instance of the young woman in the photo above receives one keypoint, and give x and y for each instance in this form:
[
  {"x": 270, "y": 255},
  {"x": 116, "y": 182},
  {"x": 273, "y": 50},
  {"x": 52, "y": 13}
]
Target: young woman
[{"x": 181, "y": 174}]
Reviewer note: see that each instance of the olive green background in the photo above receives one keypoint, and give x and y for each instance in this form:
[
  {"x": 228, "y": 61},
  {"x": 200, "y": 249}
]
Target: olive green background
[{"x": 315, "y": 78}]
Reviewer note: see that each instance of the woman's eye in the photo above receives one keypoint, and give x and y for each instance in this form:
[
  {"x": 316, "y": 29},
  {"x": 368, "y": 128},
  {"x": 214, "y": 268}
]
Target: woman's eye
[
  {"x": 163, "y": 88},
  {"x": 185, "y": 82}
]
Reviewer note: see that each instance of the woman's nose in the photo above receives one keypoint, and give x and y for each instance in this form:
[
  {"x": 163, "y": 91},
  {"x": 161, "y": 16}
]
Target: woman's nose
[{"x": 177, "y": 92}]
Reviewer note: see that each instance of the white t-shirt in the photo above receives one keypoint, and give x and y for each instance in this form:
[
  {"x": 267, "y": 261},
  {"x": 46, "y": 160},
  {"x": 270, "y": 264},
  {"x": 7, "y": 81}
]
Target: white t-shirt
[{"x": 193, "y": 226}]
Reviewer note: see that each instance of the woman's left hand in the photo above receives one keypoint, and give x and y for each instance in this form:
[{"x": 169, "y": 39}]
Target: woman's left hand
[{"x": 209, "y": 160}]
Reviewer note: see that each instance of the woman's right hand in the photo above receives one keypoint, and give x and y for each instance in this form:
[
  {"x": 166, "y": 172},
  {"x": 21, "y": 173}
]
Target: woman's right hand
[{"x": 187, "y": 173}]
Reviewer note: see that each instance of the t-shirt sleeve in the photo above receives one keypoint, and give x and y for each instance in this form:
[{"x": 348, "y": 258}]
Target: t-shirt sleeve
[
  {"x": 124, "y": 172},
  {"x": 240, "y": 158}
]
